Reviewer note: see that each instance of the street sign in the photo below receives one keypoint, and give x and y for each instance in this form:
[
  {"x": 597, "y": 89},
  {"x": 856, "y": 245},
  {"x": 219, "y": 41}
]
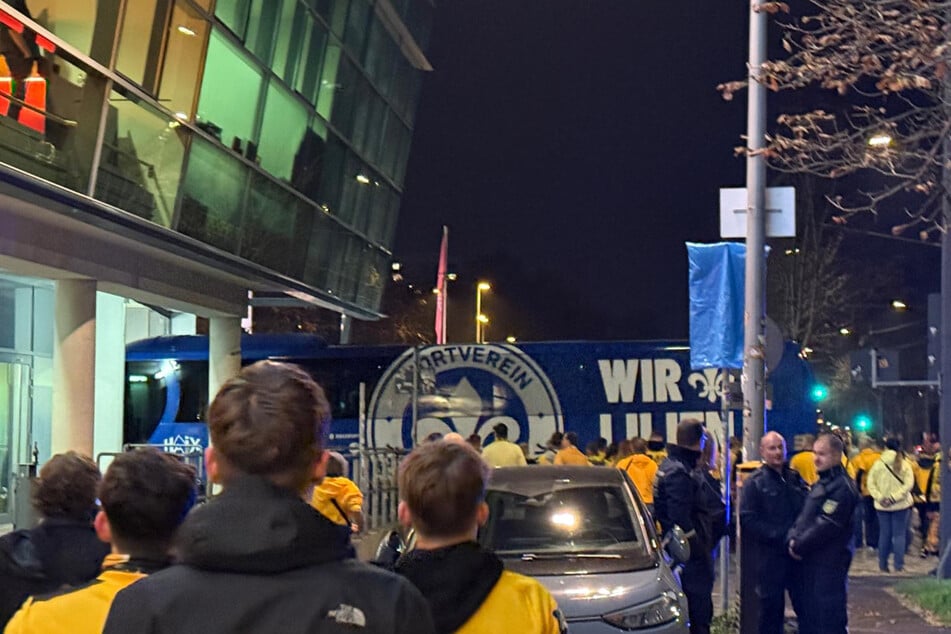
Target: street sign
[{"x": 780, "y": 212}]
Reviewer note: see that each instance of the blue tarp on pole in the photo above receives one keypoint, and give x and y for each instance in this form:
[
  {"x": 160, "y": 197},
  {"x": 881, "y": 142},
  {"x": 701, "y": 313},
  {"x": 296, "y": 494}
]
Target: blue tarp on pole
[{"x": 716, "y": 281}]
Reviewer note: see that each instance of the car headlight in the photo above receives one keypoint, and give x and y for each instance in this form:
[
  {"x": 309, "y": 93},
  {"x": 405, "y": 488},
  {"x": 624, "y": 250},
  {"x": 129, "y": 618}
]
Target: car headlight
[{"x": 663, "y": 609}]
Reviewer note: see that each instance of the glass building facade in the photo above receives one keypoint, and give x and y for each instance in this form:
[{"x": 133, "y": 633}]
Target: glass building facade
[{"x": 274, "y": 130}]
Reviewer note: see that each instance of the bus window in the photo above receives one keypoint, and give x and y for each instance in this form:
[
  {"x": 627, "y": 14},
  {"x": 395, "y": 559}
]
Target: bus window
[
  {"x": 194, "y": 401},
  {"x": 145, "y": 397}
]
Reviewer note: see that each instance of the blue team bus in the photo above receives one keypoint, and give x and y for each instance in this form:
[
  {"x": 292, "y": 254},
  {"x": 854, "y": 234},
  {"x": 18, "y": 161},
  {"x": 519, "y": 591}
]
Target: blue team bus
[{"x": 394, "y": 396}]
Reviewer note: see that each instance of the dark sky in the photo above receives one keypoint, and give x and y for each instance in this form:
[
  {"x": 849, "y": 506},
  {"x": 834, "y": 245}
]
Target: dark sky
[{"x": 572, "y": 147}]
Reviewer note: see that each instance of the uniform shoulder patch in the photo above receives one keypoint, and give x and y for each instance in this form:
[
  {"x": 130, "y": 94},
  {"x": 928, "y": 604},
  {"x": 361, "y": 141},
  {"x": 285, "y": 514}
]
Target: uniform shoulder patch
[{"x": 829, "y": 507}]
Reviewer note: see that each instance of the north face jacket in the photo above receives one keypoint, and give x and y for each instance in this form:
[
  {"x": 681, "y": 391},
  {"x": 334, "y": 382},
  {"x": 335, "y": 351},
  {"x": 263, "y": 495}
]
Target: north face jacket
[{"x": 260, "y": 559}]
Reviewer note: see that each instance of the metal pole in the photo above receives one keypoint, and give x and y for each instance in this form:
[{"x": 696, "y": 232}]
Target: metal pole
[
  {"x": 727, "y": 498},
  {"x": 478, "y": 314},
  {"x": 754, "y": 330},
  {"x": 944, "y": 369}
]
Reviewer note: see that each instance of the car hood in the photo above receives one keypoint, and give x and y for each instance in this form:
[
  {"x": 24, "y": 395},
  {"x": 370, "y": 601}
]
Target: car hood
[{"x": 586, "y": 596}]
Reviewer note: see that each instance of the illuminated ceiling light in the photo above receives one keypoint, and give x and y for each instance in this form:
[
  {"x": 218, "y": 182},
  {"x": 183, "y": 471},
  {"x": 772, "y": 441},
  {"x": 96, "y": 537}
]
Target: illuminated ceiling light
[
  {"x": 184, "y": 30},
  {"x": 880, "y": 140},
  {"x": 363, "y": 180}
]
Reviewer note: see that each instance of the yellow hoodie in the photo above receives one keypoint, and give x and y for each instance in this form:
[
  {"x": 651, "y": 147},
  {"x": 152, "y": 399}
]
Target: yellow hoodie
[
  {"x": 642, "y": 471},
  {"x": 342, "y": 490}
]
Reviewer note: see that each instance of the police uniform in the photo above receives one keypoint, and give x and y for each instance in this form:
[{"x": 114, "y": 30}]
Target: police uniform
[
  {"x": 822, "y": 536},
  {"x": 772, "y": 500}
]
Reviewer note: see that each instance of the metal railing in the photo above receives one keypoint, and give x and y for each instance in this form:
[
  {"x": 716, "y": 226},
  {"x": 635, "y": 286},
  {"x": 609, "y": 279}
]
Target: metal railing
[{"x": 375, "y": 472}]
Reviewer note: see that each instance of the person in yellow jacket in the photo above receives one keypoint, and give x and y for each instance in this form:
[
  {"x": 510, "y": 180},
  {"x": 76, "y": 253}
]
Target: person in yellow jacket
[
  {"x": 859, "y": 467},
  {"x": 569, "y": 454},
  {"x": 641, "y": 469},
  {"x": 890, "y": 481},
  {"x": 145, "y": 495},
  {"x": 442, "y": 489},
  {"x": 657, "y": 448},
  {"x": 337, "y": 497},
  {"x": 803, "y": 462},
  {"x": 927, "y": 469}
]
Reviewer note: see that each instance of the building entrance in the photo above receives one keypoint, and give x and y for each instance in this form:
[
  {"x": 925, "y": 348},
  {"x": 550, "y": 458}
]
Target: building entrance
[{"x": 15, "y": 440}]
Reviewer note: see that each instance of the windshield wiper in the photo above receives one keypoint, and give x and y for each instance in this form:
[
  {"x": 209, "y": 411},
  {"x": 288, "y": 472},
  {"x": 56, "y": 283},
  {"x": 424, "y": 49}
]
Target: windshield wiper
[{"x": 534, "y": 556}]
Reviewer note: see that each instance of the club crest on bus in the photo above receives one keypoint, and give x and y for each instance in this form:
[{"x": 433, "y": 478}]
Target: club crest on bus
[{"x": 466, "y": 388}]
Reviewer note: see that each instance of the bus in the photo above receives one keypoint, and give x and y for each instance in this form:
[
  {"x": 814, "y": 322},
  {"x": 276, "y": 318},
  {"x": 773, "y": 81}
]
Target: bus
[{"x": 394, "y": 396}]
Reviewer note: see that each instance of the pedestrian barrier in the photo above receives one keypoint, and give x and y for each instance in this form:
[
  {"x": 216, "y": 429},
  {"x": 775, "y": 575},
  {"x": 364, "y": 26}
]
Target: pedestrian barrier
[{"x": 375, "y": 472}]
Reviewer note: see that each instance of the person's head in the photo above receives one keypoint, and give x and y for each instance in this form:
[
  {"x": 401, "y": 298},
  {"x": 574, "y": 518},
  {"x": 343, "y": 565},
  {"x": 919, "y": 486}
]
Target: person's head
[
  {"x": 442, "y": 492},
  {"x": 336, "y": 465},
  {"x": 501, "y": 431},
  {"x": 807, "y": 441},
  {"x": 690, "y": 434},
  {"x": 772, "y": 449},
  {"x": 570, "y": 440},
  {"x": 66, "y": 488},
  {"x": 591, "y": 449},
  {"x": 638, "y": 445},
  {"x": 556, "y": 440},
  {"x": 602, "y": 444},
  {"x": 866, "y": 442},
  {"x": 736, "y": 444},
  {"x": 656, "y": 442},
  {"x": 269, "y": 421},
  {"x": 893, "y": 443},
  {"x": 828, "y": 452},
  {"x": 475, "y": 441},
  {"x": 433, "y": 437},
  {"x": 454, "y": 437},
  {"x": 145, "y": 495}
]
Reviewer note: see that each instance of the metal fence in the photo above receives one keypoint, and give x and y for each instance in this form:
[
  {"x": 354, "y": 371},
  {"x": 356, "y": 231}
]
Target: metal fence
[
  {"x": 375, "y": 472},
  {"x": 189, "y": 454}
]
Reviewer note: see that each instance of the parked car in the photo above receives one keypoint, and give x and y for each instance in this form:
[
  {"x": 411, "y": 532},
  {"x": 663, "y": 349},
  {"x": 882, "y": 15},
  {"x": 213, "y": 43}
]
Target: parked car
[{"x": 586, "y": 535}]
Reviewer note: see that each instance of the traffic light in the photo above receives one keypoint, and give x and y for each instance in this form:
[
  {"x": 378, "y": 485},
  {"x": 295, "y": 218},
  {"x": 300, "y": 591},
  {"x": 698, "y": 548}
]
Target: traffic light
[
  {"x": 819, "y": 392},
  {"x": 862, "y": 422}
]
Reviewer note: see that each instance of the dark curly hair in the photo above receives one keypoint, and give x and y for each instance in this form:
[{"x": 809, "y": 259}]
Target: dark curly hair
[{"x": 66, "y": 487}]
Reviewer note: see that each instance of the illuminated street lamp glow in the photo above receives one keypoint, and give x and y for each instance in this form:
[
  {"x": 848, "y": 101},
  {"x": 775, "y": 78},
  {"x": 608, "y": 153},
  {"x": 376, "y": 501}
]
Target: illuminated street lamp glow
[
  {"x": 845, "y": 332},
  {"x": 483, "y": 319},
  {"x": 899, "y": 305},
  {"x": 880, "y": 140},
  {"x": 485, "y": 286},
  {"x": 480, "y": 319},
  {"x": 511, "y": 339},
  {"x": 363, "y": 180}
]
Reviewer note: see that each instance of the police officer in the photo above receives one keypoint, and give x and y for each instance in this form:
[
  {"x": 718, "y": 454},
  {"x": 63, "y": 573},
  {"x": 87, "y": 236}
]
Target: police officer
[
  {"x": 676, "y": 494},
  {"x": 822, "y": 539},
  {"x": 773, "y": 496}
]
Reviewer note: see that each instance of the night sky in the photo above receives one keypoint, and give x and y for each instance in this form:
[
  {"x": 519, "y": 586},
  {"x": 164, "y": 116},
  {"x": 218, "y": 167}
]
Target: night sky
[{"x": 572, "y": 147}]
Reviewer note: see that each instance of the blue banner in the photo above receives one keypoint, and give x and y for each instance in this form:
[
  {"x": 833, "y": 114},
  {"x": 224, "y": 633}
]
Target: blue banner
[{"x": 716, "y": 282}]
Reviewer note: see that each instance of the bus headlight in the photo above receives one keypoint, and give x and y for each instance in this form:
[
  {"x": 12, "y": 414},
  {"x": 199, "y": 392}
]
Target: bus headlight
[{"x": 663, "y": 609}]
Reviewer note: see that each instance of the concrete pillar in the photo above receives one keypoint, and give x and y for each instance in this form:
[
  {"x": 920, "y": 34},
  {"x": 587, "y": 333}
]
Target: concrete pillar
[
  {"x": 224, "y": 352},
  {"x": 74, "y": 366},
  {"x": 110, "y": 373},
  {"x": 345, "y": 322}
]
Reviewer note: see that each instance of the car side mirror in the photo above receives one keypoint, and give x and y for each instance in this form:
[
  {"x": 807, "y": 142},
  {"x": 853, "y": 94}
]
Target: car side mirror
[{"x": 677, "y": 545}]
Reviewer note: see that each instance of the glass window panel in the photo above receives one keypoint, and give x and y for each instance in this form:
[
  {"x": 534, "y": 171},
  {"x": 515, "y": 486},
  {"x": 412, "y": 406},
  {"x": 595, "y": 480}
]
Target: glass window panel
[
  {"x": 263, "y": 20},
  {"x": 403, "y": 159},
  {"x": 355, "y": 33},
  {"x": 230, "y": 90},
  {"x": 374, "y": 129},
  {"x": 309, "y": 161},
  {"x": 141, "y": 160},
  {"x": 331, "y": 182},
  {"x": 334, "y": 12},
  {"x": 362, "y": 102},
  {"x": 233, "y": 14},
  {"x": 187, "y": 34},
  {"x": 311, "y": 63},
  {"x": 329, "y": 86},
  {"x": 68, "y": 19},
  {"x": 214, "y": 188},
  {"x": 290, "y": 38},
  {"x": 392, "y": 137},
  {"x": 274, "y": 226},
  {"x": 282, "y": 131},
  {"x": 133, "y": 53},
  {"x": 346, "y": 88}
]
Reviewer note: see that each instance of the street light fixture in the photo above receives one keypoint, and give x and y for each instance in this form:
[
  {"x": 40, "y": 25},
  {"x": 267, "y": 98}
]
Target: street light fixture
[
  {"x": 880, "y": 140},
  {"x": 511, "y": 339},
  {"x": 483, "y": 321},
  {"x": 479, "y": 317},
  {"x": 845, "y": 332},
  {"x": 899, "y": 305}
]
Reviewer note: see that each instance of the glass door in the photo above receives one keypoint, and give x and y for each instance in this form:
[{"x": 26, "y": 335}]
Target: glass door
[{"x": 15, "y": 381}]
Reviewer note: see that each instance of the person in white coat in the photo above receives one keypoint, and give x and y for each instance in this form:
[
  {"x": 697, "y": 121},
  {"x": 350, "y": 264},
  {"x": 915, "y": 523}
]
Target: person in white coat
[{"x": 890, "y": 481}]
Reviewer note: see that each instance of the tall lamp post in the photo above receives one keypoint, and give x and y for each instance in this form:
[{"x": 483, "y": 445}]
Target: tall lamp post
[{"x": 479, "y": 317}]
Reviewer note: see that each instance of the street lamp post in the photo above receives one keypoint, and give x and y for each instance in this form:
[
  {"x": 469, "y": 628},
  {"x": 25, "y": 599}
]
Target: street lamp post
[{"x": 479, "y": 317}]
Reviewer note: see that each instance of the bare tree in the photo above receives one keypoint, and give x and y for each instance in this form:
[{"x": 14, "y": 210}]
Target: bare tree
[{"x": 888, "y": 60}]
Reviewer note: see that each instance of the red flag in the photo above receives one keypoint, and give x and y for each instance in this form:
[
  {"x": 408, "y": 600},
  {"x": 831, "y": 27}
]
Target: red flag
[{"x": 441, "y": 288}]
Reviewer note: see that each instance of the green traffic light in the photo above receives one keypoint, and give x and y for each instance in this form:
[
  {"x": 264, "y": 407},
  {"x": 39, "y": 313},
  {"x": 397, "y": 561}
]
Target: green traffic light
[
  {"x": 863, "y": 422},
  {"x": 819, "y": 393}
]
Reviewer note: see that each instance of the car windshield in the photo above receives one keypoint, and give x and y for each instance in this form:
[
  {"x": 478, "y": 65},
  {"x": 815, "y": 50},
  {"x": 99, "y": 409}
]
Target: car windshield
[{"x": 594, "y": 520}]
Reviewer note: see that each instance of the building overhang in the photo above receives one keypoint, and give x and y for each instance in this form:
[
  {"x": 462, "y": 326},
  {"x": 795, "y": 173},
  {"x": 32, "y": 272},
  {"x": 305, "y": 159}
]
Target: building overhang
[{"x": 49, "y": 231}]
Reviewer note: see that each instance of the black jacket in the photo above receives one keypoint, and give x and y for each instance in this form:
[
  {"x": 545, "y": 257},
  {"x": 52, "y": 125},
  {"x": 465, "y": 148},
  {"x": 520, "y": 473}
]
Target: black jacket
[
  {"x": 770, "y": 505},
  {"x": 259, "y": 559},
  {"x": 56, "y": 553},
  {"x": 824, "y": 527},
  {"x": 454, "y": 580}
]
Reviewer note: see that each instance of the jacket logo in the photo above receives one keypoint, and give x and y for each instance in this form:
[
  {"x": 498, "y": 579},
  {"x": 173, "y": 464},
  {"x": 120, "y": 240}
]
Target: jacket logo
[
  {"x": 829, "y": 507},
  {"x": 348, "y": 615}
]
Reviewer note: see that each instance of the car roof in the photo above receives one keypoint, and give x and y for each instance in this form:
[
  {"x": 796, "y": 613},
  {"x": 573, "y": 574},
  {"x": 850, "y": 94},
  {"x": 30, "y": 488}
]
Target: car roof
[{"x": 536, "y": 475}]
